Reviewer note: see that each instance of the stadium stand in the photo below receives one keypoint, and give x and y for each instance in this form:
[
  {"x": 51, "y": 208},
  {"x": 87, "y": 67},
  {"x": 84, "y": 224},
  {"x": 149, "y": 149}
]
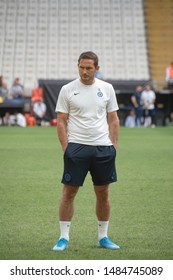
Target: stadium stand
[
  {"x": 159, "y": 22},
  {"x": 43, "y": 39}
]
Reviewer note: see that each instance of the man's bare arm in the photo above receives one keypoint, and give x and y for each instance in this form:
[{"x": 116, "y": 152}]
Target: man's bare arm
[
  {"x": 62, "y": 129},
  {"x": 113, "y": 122}
]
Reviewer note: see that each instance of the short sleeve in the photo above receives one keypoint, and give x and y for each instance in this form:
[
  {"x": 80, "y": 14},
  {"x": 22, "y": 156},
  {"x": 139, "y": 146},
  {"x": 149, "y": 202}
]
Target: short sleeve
[
  {"x": 112, "y": 103},
  {"x": 62, "y": 102}
]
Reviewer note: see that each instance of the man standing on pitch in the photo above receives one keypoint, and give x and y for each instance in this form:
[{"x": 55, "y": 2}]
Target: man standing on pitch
[{"x": 87, "y": 125}]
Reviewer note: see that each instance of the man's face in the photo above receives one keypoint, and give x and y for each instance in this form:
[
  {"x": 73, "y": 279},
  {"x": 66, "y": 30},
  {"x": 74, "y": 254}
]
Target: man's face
[
  {"x": 87, "y": 70},
  {"x": 148, "y": 88},
  {"x": 139, "y": 88},
  {"x": 17, "y": 81}
]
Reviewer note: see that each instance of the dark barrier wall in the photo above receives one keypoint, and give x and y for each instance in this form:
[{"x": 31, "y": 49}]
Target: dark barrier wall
[
  {"x": 51, "y": 89},
  {"x": 123, "y": 89}
]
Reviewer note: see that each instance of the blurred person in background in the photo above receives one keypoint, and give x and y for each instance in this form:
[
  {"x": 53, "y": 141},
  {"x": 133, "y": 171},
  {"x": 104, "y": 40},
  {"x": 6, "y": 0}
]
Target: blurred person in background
[
  {"x": 1, "y": 80},
  {"x": 169, "y": 119},
  {"x": 19, "y": 119},
  {"x": 4, "y": 91},
  {"x": 1, "y": 120},
  {"x": 16, "y": 92},
  {"x": 148, "y": 98},
  {"x": 8, "y": 119},
  {"x": 39, "y": 110},
  {"x": 130, "y": 120},
  {"x": 169, "y": 75},
  {"x": 136, "y": 101}
]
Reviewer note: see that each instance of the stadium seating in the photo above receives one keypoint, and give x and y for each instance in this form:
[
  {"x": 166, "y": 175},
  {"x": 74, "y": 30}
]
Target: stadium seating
[
  {"x": 43, "y": 39},
  {"x": 159, "y": 22}
]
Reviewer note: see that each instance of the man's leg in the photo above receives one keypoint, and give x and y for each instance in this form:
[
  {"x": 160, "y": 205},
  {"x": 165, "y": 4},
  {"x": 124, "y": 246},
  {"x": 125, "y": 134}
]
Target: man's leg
[
  {"x": 102, "y": 202},
  {"x": 152, "y": 115},
  {"x": 66, "y": 208},
  {"x": 103, "y": 214},
  {"x": 66, "y": 211}
]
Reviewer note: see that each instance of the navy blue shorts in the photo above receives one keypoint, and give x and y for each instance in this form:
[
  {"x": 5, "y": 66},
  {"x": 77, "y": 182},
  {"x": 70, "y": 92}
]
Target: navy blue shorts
[{"x": 98, "y": 160}]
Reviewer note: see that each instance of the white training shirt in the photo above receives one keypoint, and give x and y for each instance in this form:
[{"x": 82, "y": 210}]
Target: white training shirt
[
  {"x": 147, "y": 97},
  {"x": 39, "y": 108},
  {"x": 87, "y": 106}
]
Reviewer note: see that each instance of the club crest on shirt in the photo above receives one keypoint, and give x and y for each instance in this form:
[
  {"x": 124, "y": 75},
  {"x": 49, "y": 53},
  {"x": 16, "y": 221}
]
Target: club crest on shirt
[{"x": 99, "y": 93}]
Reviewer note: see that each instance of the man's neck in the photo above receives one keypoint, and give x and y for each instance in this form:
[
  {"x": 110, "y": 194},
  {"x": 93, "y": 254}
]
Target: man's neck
[{"x": 89, "y": 83}]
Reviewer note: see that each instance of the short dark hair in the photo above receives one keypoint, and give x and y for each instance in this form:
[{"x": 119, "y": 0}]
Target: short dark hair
[{"x": 89, "y": 55}]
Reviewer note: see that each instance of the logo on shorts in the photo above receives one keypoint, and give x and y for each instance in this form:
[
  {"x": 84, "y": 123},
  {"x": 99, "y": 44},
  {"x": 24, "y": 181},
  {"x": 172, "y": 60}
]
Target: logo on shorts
[
  {"x": 67, "y": 177},
  {"x": 76, "y": 93},
  {"x": 99, "y": 93},
  {"x": 113, "y": 177}
]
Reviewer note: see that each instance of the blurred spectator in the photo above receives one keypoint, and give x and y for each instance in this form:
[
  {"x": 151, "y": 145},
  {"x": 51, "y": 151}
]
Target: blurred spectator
[
  {"x": 1, "y": 80},
  {"x": 169, "y": 120},
  {"x": 19, "y": 119},
  {"x": 136, "y": 100},
  {"x": 8, "y": 120},
  {"x": 131, "y": 119},
  {"x": 30, "y": 120},
  {"x": 148, "y": 98},
  {"x": 169, "y": 75},
  {"x": 37, "y": 94},
  {"x": 17, "y": 90},
  {"x": 3, "y": 91},
  {"x": 1, "y": 121},
  {"x": 39, "y": 110}
]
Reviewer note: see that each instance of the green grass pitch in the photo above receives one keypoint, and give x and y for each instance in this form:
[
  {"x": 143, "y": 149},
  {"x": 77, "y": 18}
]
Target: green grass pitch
[{"x": 142, "y": 200}]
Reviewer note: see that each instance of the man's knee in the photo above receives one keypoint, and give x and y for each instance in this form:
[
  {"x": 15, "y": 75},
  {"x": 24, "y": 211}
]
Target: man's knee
[
  {"x": 102, "y": 192},
  {"x": 69, "y": 192}
]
